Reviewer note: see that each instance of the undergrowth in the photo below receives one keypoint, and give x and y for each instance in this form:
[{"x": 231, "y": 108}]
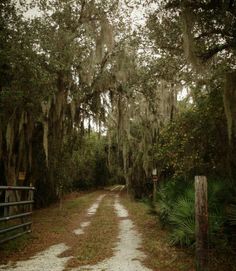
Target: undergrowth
[{"x": 175, "y": 208}]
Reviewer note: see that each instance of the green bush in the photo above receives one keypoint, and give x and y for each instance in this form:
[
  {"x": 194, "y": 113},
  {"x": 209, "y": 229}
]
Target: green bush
[{"x": 176, "y": 211}]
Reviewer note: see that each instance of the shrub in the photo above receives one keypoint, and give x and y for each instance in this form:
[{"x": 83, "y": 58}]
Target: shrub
[{"x": 176, "y": 211}]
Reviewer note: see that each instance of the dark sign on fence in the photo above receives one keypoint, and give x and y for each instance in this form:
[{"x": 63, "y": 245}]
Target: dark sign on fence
[{"x": 15, "y": 211}]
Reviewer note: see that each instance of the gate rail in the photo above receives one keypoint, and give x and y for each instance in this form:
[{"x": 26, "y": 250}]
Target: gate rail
[{"x": 18, "y": 204}]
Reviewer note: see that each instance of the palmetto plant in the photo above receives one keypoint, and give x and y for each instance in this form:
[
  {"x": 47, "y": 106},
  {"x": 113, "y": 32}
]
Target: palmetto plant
[
  {"x": 182, "y": 221},
  {"x": 176, "y": 210},
  {"x": 232, "y": 215}
]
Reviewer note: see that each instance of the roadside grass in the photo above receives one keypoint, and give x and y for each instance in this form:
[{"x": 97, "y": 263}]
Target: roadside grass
[
  {"x": 58, "y": 229},
  {"x": 160, "y": 255},
  {"x": 16, "y": 245},
  {"x": 51, "y": 226},
  {"x": 99, "y": 239}
]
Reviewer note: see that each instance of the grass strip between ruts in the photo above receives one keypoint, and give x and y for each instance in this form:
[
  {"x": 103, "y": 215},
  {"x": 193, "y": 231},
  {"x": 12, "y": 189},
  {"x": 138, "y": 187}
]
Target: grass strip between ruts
[{"x": 99, "y": 238}]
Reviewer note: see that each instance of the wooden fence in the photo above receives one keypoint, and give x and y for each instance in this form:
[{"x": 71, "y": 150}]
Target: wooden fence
[{"x": 16, "y": 203}]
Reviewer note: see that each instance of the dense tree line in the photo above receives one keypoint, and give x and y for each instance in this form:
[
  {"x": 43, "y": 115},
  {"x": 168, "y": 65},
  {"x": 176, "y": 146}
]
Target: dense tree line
[{"x": 56, "y": 70}]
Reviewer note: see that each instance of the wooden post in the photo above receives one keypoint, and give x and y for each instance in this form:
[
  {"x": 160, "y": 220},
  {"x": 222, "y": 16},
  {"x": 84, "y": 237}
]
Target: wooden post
[{"x": 201, "y": 218}]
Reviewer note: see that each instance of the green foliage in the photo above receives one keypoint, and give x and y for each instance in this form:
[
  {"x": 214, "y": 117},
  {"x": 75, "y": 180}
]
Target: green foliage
[
  {"x": 176, "y": 211},
  {"x": 51, "y": 87},
  {"x": 232, "y": 214},
  {"x": 15, "y": 244},
  {"x": 189, "y": 144},
  {"x": 89, "y": 162}
]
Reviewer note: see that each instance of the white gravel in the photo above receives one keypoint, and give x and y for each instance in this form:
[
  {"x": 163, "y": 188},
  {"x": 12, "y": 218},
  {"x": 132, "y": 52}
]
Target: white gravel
[
  {"x": 127, "y": 255},
  {"x": 120, "y": 210},
  {"x": 47, "y": 260},
  {"x": 85, "y": 224}
]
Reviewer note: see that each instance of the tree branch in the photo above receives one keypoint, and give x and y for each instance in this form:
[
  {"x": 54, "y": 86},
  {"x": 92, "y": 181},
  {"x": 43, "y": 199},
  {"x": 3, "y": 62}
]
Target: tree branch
[{"x": 213, "y": 51}]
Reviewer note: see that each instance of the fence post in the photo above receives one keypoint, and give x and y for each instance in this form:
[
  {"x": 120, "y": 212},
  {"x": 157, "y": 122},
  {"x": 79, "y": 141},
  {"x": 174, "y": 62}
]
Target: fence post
[{"x": 201, "y": 218}]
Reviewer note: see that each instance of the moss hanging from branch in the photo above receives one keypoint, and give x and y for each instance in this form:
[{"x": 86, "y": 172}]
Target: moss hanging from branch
[
  {"x": 29, "y": 135},
  {"x": 22, "y": 149},
  {"x": 45, "y": 105},
  {"x": 10, "y": 135},
  {"x": 107, "y": 34},
  {"x": 229, "y": 103},
  {"x": 125, "y": 164},
  {"x": 105, "y": 38},
  {"x": 123, "y": 66},
  {"x": 188, "y": 38},
  {"x": 166, "y": 101},
  {"x": 73, "y": 110},
  {"x": 59, "y": 103},
  {"x": 99, "y": 50},
  {"x": 23, "y": 120}
]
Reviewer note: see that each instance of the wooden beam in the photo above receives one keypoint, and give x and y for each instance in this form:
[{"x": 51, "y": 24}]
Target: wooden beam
[{"x": 201, "y": 218}]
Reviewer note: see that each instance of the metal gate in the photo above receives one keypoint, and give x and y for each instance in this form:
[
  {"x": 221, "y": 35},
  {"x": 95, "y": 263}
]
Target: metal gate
[{"x": 16, "y": 204}]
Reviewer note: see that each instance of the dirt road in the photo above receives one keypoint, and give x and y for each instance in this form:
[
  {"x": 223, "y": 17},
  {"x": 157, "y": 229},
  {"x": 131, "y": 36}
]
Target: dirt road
[{"x": 125, "y": 254}]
